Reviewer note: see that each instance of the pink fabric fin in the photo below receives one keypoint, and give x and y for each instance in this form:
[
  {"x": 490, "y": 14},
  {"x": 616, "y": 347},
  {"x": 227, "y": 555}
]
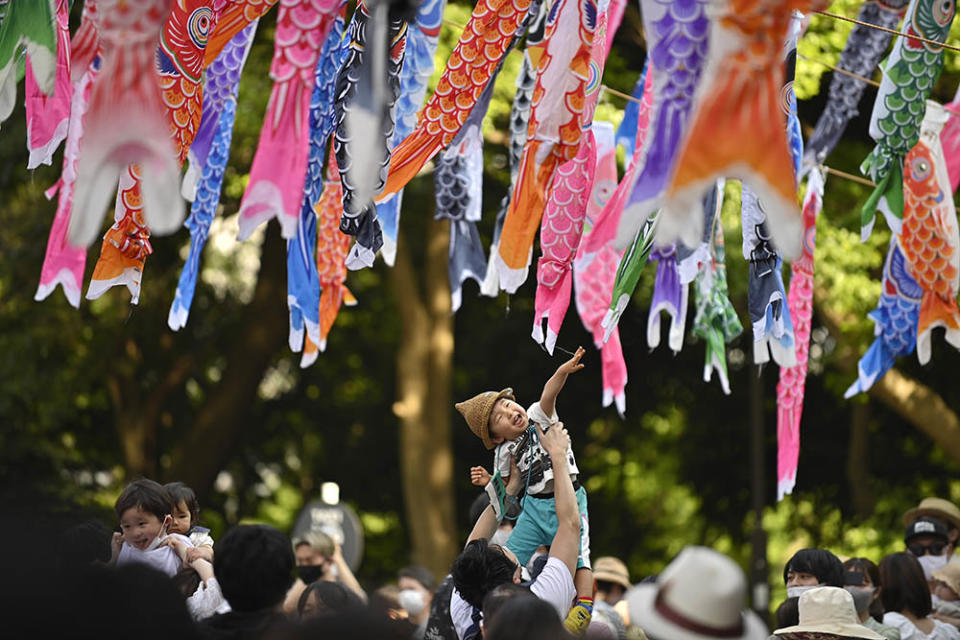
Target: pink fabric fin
[
  {"x": 64, "y": 264},
  {"x": 48, "y": 116},
  {"x": 279, "y": 169},
  {"x": 560, "y": 234}
]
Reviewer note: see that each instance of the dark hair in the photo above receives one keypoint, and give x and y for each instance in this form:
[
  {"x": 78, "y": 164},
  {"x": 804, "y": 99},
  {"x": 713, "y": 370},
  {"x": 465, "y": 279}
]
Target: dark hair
[
  {"x": 385, "y": 598},
  {"x": 147, "y": 495},
  {"x": 254, "y": 566},
  {"x": 526, "y": 620},
  {"x": 788, "y": 613},
  {"x": 102, "y": 602},
  {"x": 421, "y": 574},
  {"x": 478, "y": 569},
  {"x": 477, "y": 507},
  {"x": 82, "y": 545},
  {"x": 869, "y": 568},
  {"x": 356, "y": 626},
  {"x": 187, "y": 581},
  {"x": 500, "y": 596},
  {"x": 333, "y": 597},
  {"x": 903, "y": 586},
  {"x": 820, "y": 563},
  {"x": 180, "y": 492}
]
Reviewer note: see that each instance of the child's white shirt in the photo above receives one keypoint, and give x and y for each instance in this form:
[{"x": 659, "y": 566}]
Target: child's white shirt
[
  {"x": 207, "y": 600},
  {"x": 533, "y": 455},
  {"x": 163, "y": 559},
  {"x": 200, "y": 537}
]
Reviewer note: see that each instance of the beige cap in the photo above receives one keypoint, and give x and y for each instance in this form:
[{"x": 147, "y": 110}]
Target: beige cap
[
  {"x": 610, "y": 569},
  {"x": 828, "y": 610},
  {"x": 936, "y": 508}
]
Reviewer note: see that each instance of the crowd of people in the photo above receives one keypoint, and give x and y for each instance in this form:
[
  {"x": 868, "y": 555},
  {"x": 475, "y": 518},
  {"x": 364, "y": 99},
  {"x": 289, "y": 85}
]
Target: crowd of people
[{"x": 525, "y": 570}]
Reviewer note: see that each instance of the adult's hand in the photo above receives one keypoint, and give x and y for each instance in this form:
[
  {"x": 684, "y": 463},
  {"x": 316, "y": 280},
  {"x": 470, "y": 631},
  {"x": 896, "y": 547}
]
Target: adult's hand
[{"x": 555, "y": 441}]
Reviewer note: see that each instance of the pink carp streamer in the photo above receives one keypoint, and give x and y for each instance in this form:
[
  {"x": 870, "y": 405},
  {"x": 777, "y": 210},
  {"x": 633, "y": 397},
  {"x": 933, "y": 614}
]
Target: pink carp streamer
[
  {"x": 49, "y": 116},
  {"x": 790, "y": 389},
  {"x": 562, "y": 226},
  {"x": 280, "y": 167},
  {"x": 950, "y": 139},
  {"x": 63, "y": 264},
  {"x": 595, "y": 272}
]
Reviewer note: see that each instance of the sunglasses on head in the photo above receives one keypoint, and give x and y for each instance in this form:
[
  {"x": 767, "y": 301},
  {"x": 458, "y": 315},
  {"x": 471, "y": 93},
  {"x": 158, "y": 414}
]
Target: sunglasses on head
[
  {"x": 501, "y": 550},
  {"x": 934, "y": 548}
]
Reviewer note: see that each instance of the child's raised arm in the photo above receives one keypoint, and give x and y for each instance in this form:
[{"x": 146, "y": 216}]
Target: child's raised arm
[{"x": 548, "y": 399}]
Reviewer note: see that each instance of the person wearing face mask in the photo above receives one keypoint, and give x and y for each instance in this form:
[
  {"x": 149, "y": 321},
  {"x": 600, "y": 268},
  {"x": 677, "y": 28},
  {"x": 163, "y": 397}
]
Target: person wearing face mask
[
  {"x": 938, "y": 509},
  {"x": 809, "y": 568},
  {"x": 927, "y": 539},
  {"x": 144, "y": 509},
  {"x": 861, "y": 578},
  {"x": 416, "y": 594},
  {"x": 906, "y": 600},
  {"x": 319, "y": 557}
]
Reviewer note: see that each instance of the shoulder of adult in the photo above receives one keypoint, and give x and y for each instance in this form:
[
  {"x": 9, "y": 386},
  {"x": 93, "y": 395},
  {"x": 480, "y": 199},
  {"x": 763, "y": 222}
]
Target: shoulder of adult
[
  {"x": 461, "y": 613},
  {"x": 555, "y": 585}
]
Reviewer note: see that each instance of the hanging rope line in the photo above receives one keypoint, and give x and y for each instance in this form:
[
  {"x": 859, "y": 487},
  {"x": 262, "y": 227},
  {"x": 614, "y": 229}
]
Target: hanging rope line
[
  {"x": 604, "y": 88},
  {"x": 869, "y": 81},
  {"x": 890, "y": 31},
  {"x": 848, "y": 176}
]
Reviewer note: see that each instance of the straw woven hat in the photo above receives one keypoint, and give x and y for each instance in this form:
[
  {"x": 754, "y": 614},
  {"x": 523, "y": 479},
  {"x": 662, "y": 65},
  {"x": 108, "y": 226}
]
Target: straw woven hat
[{"x": 477, "y": 412}]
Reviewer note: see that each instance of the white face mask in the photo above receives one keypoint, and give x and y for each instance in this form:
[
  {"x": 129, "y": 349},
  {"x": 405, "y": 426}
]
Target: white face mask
[
  {"x": 794, "y": 592},
  {"x": 160, "y": 536},
  {"x": 862, "y": 597},
  {"x": 412, "y": 601},
  {"x": 931, "y": 564}
]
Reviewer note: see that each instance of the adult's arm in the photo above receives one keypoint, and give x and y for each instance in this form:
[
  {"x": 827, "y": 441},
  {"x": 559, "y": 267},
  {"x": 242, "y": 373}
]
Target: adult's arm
[
  {"x": 486, "y": 524},
  {"x": 566, "y": 543},
  {"x": 345, "y": 575}
]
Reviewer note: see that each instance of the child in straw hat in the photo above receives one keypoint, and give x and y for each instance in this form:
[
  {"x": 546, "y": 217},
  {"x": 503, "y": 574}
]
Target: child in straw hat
[
  {"x": 946, "y": 594},
  {"x": 501, "y": 423}
]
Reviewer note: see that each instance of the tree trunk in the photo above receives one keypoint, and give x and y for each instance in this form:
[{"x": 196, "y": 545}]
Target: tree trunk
[
  {"x": 424, "y": 367},
  {"x": 138, "y": 415},
  {"x": 922, "y": 407},
  {"x": 858, "y": 468},
  {"x": 199, "y": 457}
]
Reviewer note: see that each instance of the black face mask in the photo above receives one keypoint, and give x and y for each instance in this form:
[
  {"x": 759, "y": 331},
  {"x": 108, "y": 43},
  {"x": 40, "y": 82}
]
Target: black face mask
[{"x": 309, "y": 573}]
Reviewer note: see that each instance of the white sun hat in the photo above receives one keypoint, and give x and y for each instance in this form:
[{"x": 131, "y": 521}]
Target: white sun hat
[
  {"x": 701, "y": 595},
  {"x": 829, "y": 610}
]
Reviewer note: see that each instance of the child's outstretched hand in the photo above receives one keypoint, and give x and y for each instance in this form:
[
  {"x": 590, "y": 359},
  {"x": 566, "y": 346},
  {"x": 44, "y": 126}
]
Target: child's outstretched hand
[
  {"x": 573, "y": 364},
  {"x": 116, "y": 542},
  {"x": 479, "y": 476},
  {"x": 178, "y": 546}
]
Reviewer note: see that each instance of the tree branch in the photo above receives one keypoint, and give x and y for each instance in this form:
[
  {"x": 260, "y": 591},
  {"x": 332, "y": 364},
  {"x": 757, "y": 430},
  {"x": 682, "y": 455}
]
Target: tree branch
[{"x": 916, "y": 403}]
